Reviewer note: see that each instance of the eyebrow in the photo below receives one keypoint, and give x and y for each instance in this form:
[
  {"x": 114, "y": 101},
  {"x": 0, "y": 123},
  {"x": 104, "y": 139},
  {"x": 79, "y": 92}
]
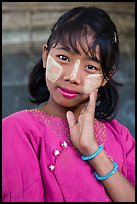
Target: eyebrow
[
  {"x": 95, "y": 59},
  {"x": 64, "y": 48},
  {"x": 67, "y": 49}
]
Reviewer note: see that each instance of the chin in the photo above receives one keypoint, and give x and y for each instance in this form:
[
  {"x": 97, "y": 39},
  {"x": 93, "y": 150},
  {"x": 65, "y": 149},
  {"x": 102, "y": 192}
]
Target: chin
[{"x": 71, "y": 103}]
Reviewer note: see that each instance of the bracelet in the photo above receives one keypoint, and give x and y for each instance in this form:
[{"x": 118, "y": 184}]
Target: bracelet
[
  {"x": 93, "y": 155},
  {"x": 108, "y": 175}
]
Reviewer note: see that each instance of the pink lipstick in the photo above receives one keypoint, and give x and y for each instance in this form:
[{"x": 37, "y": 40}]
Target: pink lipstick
[{"x": 68, "y": 93}]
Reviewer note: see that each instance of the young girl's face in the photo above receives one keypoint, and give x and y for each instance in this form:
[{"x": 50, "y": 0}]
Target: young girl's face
[{"x": 71, "y": 77}]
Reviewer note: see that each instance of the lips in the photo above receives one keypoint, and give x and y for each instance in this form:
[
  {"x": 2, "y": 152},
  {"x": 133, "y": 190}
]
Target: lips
[{"x": 67, "y": 92}]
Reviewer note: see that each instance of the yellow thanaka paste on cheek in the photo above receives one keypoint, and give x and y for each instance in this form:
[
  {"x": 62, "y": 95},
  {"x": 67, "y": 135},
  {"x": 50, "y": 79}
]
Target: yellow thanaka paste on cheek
[
  {"x": 92, "y": 82},
  {"x": 53, "y": 69},
  {"x": 75, "y": 70}
]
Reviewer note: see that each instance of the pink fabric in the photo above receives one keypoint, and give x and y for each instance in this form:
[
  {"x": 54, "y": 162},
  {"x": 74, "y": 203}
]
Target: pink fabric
[{"x": 28, "y": 144}]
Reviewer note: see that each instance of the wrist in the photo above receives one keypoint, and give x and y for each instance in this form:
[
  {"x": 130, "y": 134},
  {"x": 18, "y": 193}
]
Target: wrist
[
  {"x": 101, "y": 163},
  {"x": 100, "y": 147},
  {"x": 90, "y": 149}
]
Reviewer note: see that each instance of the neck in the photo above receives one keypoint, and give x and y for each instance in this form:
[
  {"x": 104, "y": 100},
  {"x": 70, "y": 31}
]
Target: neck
[{"x": 57, "y": 110}]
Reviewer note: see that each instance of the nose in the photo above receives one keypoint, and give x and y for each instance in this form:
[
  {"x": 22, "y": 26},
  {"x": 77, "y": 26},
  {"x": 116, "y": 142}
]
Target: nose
[{"x": 73, "y": 74}]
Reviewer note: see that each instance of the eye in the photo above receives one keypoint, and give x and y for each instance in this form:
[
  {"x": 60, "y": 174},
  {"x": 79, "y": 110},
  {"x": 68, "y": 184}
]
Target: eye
[
  {"x": 63, "y": 57},
  {"x": 90, "y": 67}
]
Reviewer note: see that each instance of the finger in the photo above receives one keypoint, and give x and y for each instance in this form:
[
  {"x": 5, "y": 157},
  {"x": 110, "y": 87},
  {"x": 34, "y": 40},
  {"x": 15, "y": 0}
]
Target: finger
[
  {"x": 91, "y": 105},
  {"x": 71, "y": 119}
]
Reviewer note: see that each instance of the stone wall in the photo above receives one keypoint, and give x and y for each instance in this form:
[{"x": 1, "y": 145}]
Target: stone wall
[{"x": 26, "y": 27}]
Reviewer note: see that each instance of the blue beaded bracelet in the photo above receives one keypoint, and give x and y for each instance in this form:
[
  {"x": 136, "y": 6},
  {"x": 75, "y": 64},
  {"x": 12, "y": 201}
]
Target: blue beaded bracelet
[
  {"x": 93, "y": 155},
  {"x": 108, "y": 175}
]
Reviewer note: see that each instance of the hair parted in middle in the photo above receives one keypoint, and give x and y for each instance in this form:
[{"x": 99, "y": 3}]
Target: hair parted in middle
[{"x": 69, "y": 31}]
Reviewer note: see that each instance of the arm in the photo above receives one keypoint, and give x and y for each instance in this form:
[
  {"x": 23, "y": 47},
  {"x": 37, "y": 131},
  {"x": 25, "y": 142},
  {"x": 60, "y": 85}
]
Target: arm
[
  {"x": 21, "y": 178},
  {"x": 117, "y": 186},
  {"x": 82, "y": 136}
]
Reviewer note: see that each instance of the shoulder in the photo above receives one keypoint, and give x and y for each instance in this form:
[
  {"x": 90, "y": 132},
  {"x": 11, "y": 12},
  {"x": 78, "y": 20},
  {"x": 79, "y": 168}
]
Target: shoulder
[
  {"x": 21, "y": 118},
  {"x": 17, "y": 117},
  {"x": 115, "y": 125},
  {"x": 21, "y": 128},
  {"x": 120, "y": 131}
]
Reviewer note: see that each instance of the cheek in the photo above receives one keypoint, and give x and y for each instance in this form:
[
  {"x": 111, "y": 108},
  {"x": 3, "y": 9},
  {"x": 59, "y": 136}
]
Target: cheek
[
  {"x": 53, "y": 70},
  {"x": 92, "y": 82}
]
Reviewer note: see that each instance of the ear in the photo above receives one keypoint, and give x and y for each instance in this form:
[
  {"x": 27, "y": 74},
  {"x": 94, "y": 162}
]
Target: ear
[
  {"x": 104, "y": 82},
  {"x": 44, "y": 55}
]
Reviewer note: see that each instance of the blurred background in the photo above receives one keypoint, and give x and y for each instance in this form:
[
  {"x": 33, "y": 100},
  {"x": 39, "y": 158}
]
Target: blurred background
[{"x": 25, "y": 29}]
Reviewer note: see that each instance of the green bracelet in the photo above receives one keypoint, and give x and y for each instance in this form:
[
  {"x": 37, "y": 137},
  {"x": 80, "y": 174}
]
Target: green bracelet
[
  {"x": 101, "y": 178},
  {"x": 93, "y": 155}
]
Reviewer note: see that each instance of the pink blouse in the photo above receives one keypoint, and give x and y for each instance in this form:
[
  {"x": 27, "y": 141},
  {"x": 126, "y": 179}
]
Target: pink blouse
[{"x": 40, "y": 164}]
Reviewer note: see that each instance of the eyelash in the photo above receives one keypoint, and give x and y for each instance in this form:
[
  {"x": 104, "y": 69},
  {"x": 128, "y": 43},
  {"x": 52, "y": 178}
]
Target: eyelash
[
  {"x": 92, "y": 67},
  {"x": 59, "y": 56},
  {"x": 67, "y": 59}
]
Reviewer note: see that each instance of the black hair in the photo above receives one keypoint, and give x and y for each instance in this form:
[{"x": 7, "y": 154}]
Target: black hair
[{"x": 69, "y": 28}]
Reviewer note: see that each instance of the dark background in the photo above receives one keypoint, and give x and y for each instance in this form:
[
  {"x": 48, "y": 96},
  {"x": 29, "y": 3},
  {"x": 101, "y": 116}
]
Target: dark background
[{"x": 26, "y": 27}]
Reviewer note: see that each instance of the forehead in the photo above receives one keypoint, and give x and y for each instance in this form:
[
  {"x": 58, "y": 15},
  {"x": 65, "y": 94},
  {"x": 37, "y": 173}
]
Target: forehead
[
  {"x": 73, "y": 35},
  {"x": 81, "y": 50}
]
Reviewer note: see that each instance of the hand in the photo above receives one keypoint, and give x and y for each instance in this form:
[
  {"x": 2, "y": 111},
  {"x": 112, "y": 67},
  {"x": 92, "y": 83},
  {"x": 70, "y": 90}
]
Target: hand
[{"x": 82, "y": 131}]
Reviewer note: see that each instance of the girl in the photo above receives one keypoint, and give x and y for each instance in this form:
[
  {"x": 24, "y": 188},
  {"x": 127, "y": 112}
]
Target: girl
[{"x": 71, "y": 149}]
